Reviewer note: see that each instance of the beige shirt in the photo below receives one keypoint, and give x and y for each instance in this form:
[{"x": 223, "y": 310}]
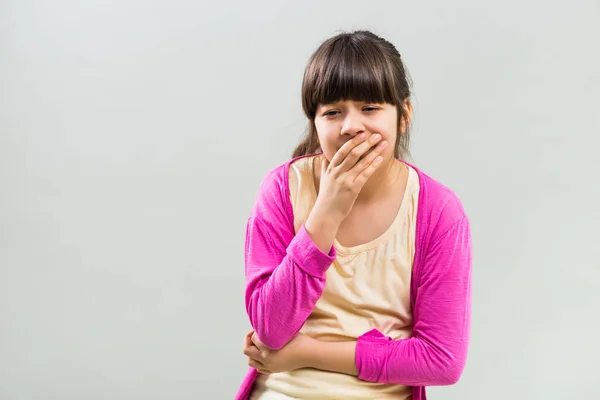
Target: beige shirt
[{"x": 367, "y": 287}]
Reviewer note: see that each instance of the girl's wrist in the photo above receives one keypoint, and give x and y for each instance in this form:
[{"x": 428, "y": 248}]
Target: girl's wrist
[
  {"x": 312, "y": 353},
  {"x": 332, "y": 356}
]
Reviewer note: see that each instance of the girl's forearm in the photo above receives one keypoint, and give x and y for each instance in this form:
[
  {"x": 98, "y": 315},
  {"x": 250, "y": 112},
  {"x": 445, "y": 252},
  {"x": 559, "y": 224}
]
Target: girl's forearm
[{"x": 334, "y": 356}]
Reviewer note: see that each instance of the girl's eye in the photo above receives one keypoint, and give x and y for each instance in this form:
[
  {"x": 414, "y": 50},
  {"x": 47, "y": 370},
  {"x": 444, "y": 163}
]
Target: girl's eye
[
  {"x": 370, "y": 109},
  {"x": 330, "y": 113}
]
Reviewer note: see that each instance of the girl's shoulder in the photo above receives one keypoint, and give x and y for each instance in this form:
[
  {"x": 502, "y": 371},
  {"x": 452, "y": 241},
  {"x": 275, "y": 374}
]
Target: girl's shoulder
[
  {"x": 440, "y": 207},
  {"x": 277, "y": 178},
  {"x": 438, "y": 194},
  {"x": 274, "y": 191}
]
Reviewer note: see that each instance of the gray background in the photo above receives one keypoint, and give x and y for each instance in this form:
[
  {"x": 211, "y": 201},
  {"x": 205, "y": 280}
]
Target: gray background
[{"x": 134, "y": 134}]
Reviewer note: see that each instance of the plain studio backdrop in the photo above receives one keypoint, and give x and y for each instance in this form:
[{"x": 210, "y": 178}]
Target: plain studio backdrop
[{"x": 134, "y": 135}]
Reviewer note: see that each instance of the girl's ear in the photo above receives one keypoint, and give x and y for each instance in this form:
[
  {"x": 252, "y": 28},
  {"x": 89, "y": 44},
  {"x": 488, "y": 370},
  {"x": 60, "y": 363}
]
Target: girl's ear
[{"x": 407, "y": 118}]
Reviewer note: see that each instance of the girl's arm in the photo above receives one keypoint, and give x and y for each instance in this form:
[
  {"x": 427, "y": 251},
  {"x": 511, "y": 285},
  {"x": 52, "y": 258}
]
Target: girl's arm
[
  {"x": 285, "y": 271},
  {"x": 437, "y": 351}
]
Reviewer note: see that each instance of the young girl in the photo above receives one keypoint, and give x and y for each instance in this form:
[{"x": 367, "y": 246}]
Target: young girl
[{"x": 358, "y": 265}]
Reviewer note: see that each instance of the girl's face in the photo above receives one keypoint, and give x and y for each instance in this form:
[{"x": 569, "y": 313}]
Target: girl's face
[{"x": 339, "y": 122}]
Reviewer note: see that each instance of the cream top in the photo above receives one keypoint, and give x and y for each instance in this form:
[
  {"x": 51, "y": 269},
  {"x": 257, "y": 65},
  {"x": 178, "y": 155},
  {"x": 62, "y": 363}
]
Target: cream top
[{"x": 367, "y": 287}]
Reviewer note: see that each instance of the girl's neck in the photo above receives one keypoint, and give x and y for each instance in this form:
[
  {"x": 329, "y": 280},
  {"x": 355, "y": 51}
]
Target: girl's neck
[{"x": 386, "y": 179}]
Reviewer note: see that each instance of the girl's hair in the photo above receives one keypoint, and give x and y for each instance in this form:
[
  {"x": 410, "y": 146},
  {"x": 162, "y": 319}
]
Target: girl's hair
[{"x": 359, "y": 66}]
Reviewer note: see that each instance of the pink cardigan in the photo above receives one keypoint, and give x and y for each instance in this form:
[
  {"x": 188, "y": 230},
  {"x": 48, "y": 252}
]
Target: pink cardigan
[{"x": 285, "y": 275}]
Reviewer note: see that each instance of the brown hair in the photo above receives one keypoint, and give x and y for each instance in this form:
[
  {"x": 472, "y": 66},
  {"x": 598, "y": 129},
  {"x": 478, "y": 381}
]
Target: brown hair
[{"x": 359, "y": 66}]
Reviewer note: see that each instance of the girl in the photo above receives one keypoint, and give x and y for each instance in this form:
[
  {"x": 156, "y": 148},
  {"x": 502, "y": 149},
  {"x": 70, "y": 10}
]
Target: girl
[{"x": 358, "y": 265}]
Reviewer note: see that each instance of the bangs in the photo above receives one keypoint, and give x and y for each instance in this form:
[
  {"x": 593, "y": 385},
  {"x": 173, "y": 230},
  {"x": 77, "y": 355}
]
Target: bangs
[{"x": 348, "y": 70}]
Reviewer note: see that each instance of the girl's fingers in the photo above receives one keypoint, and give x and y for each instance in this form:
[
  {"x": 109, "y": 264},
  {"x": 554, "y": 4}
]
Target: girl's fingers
[
  {"x": 359, "y": 151},
  {"x": 248, "y": 339},
  {"x": 362, "y": 177},
  {"x": 346, "y": 149},
  {"x": 260, "y": 367},
  {"x": 255, "y": 341},
  {"x": 263, "y": 371},
  {"x": 252, "y": 351},
  {"x": 368, "y": 160},
  {"x": 255, "y": 364},
  {"x": 324, "y": 165}
]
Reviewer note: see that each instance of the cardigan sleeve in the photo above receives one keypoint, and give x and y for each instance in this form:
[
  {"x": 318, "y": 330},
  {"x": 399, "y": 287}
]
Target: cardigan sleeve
[
  {"x": 285, "y": 271},
  {"x": 437, "y": 351}
]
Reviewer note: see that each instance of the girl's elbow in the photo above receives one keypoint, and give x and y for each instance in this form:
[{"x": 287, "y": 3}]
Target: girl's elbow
[
  {"x": 449, "y": 375},
  {"x": 273, "y": 340}
]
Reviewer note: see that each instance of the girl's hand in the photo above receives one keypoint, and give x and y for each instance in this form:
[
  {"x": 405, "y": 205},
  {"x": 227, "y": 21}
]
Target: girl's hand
[
  {"x": 343, "y": 178},
  {"x": 292, "y": 356}
]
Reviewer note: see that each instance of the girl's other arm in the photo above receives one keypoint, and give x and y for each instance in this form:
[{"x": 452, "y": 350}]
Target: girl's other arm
[
  {"x": 437, "y": 351},
  {"x": 285, "y": 271}
]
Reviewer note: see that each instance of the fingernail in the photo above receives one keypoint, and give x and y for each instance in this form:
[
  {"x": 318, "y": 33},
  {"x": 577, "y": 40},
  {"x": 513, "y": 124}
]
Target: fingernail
[{"x": 376, "y": 136}]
